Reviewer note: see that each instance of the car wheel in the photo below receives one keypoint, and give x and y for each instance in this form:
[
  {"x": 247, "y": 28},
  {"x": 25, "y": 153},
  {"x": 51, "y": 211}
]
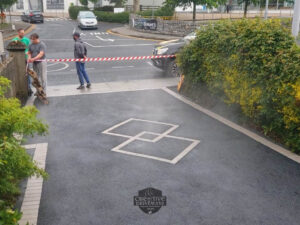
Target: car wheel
[
  {"x": 172, "y": 70},
  {"x": 42, "y": 21}
]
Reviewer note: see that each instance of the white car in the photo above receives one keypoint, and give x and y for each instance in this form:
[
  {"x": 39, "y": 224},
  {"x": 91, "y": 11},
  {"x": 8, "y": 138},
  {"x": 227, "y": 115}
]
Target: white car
[{"x": 87, "y": 20}]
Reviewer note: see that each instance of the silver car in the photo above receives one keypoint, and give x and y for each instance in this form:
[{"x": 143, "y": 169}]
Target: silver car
[{"x": 87, "y": 20}]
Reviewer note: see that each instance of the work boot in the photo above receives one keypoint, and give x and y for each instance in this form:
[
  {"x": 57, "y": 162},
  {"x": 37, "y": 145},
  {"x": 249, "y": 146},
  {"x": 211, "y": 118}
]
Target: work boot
[
  {"x": 88, "y": 85},
  {"x": 80, "y": 87}
]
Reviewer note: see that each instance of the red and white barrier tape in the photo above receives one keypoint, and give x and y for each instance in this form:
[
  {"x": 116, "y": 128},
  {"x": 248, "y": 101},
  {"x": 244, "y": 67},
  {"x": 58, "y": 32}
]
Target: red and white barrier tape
[{"x": 110, "y": 58}]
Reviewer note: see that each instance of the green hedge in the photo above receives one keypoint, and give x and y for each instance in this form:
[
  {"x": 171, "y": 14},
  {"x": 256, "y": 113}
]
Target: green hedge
[
  {"x": 112, "y": 17},
  {"x": 255, "y": 64},
  {"x": 74, "y": 10}
]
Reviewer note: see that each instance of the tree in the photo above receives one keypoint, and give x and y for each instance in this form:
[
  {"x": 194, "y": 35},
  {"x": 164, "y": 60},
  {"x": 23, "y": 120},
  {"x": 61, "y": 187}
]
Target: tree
[
  {"x": 136, "y": 6},
  {"x": 83, "y": 2},
  {"x": 247, "y": 3},
  {"x": 6, "y": 3},
  {"x": 209, "y": 4}
]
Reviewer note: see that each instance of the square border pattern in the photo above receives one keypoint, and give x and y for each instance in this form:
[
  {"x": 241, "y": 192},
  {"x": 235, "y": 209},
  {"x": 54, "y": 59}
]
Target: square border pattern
[{"x": 164, "y": 134}]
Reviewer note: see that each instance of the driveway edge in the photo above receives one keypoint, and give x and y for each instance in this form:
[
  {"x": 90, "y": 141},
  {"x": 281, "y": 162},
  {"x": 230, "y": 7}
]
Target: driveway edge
[{"x": 287, "y": 153}]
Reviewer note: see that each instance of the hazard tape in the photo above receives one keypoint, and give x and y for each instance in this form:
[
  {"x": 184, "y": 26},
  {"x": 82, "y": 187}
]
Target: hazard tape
[{"x": 105, "y": 59}]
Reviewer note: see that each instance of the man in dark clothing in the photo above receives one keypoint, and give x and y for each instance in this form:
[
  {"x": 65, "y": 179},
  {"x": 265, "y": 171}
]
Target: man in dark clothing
[{"x": 80, "y": 52}]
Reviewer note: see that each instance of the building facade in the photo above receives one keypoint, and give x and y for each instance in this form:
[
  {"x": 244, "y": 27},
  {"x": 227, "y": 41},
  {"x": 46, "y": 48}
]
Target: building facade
[
  {"x": 50, "y": 6},
  {"x": 61, "y": 6}
]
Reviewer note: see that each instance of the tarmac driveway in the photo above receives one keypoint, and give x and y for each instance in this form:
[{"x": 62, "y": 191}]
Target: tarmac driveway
[{"x": 226, "y": 178}]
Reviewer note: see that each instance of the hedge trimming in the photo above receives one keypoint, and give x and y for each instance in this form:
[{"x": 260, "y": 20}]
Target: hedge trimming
[
  {"x": 112, "y": 17},
  {"x": 255, "y": 64},
  {"x": 74, "y": 10}
]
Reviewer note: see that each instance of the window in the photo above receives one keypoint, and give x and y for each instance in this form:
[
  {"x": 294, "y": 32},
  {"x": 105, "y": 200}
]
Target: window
[{"x": 55, "y": 4}]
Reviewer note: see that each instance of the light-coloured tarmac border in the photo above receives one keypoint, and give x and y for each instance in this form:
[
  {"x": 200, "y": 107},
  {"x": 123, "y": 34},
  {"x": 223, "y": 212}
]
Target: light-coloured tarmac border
[{"x": 31, "y": 202}]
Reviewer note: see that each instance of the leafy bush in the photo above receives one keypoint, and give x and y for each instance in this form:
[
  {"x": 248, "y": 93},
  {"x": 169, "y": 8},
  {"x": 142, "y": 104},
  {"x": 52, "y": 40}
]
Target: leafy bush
[
  {"x": 112, "y": 17},
  {"x": 106, "y": 8},
  {"x": 254, "y": 63},
  {"x": 15, "y": 163},
  {"x": 74, "y": 10}
]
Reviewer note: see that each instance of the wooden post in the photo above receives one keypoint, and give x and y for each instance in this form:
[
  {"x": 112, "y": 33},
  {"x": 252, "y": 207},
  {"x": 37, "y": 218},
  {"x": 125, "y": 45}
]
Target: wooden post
[{"x": 17, "y": 51}]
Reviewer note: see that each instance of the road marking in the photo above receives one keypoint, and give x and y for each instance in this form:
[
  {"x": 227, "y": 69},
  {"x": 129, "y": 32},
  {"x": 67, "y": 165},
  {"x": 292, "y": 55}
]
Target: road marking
[
  {"x": 122, "y": 67},
  {"x": 85, "y": 69},
  {"x": 52, "y": 64},
  {"x": 237, "y": 127},
  {"x": 32, "y": 197},
  {"x": 66, "y": 65},
  {"x": 110, "y": 46},
  {"x": 102, "y": 39},
  {"x": 160, "y": 136}
]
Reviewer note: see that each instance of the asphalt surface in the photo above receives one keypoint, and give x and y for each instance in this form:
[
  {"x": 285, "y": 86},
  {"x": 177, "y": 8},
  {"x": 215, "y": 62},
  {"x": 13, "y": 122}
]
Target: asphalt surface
[{"x": 227, "y": 178}]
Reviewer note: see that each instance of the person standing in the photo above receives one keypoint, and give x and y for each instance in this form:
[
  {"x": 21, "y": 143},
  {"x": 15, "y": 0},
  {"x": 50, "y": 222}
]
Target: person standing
[
  {"x": 25, "y": 40},
  {"x": 80, "y": 52},
  {"x": 36, "y": 55}
]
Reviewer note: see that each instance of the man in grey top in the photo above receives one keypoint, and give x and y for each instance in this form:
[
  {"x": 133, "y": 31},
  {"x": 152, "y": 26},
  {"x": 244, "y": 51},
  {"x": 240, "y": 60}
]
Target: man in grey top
[
  {"x": 37, "y": 52},
  {"x": 80, "y": 52}
]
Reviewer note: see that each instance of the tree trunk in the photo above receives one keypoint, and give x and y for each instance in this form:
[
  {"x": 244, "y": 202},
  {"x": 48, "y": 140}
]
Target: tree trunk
[
  {"x": 136, "y": 6},
  {"x": 246, "y": 8},
  {"x": 194, "y": 11}
]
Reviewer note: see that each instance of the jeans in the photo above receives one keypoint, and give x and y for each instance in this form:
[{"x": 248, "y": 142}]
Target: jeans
[
  {"x": 80, "y": 66},
  {"x": 29, "y": 82}
]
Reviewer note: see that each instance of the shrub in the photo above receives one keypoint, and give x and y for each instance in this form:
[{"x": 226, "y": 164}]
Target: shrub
[
  {"x": 106, "y": 8},
  {"x": 15, "y": 163},
  {"x": 254, "y": 63},
  {"x": 112, "y": 17},
  {"x": 74, "y": 10}
]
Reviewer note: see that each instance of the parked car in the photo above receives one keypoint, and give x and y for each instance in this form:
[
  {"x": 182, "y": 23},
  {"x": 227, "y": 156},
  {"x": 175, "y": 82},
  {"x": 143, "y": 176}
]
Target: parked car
[
  {"x": 170, "y": 48},
  {"x": 32, "y": 16},
  {"x": 87, "y": 20}
]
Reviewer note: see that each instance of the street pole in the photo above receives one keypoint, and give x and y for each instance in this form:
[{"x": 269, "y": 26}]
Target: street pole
[
  {"x": 266, "y": 10},
  {"x": 296, "y": 18},
  {"x": 2, "y": 52}
]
